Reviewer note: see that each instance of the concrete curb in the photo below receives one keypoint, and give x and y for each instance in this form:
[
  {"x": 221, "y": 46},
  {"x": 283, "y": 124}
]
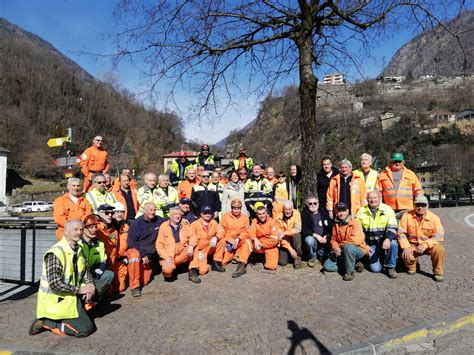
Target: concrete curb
[{"x": 422, "y": 333}]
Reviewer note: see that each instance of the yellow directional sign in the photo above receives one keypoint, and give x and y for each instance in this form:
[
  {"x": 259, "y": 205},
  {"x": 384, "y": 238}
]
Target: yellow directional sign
[{"x": 57, "y": 142}]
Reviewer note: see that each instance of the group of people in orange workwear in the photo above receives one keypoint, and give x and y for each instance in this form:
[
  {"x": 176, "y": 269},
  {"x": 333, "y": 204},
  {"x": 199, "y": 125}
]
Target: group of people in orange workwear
[{"x": 115, "y": 235}]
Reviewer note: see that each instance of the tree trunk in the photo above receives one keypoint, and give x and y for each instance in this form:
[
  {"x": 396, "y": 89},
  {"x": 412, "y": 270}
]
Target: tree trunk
[{"x": 307, "y": 91}]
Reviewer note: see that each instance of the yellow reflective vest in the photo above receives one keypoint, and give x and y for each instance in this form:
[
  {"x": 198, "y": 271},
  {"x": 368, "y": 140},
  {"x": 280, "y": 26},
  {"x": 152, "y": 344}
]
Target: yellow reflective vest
[
  {"x": 61, "y": 306},
  {"x": 96, "y": 198},
  {"x": 371, "y": 180},
  {"x": 383, "y": 225}
]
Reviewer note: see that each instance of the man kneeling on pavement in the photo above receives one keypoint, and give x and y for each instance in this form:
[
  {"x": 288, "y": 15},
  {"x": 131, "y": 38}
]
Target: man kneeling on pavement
[
  {"x": 65, "y": 282},
  {"x": 420, "y": 233},
  {"x": 380, "y": 228},
  {"x": 347, "y": 244}
]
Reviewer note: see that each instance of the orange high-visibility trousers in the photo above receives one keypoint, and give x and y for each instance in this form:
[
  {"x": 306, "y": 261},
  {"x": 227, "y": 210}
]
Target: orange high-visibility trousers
[
  {"x": 202, "y": 264},
  {"x": 222, "y": 255},
  {"x": 120, "y": 279},
  {"x": 286, "y": 244},
  {"x": 269, "y": 248},
  {"x": 139, "y": 274},
  {"x": 437, "y": 254},
  {"x": 180, "y": 258},
  {"x": 87, "y": 182}
]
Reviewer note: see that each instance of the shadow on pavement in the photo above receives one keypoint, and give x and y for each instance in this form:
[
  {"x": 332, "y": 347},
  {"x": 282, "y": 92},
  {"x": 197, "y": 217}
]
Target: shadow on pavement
[
  {"x": 103, "y": 309},
  {"x": 301, "y": 334},
  {"x": 19, "y": 292}
]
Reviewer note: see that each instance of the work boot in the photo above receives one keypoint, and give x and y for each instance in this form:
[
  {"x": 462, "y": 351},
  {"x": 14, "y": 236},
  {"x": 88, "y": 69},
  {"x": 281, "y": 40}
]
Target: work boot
[
  {"x": 349, "y": 276},
  {"x": 241, "y": 269},
  {"x": 312, "y": 262},
  {"x": 136, "y": 292},
  {"x": 392, "y": 273},
  {"x": 439, "y": 278},
  {"x": 359, "y": 267},
  {"x": 194, "y": 276},
  {"x": 217, "y": 266},
  {"x": 36, "y": 327},
  {"x": 297, "y": 263}
]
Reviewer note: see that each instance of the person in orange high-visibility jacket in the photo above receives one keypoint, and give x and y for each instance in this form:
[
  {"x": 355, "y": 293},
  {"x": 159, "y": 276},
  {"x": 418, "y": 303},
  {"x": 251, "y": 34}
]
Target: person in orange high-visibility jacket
[
  {"x": 233, "y": 231},
  {"x": 94, "y": 159},
  {"x": 398, "y": 184},
  {"x": 347, "y": 188},
  {"x": 185, "y": 187},
  {"x": 116, "y": 183},
  {"x": 172, "y": 243},
  {"x": 347, "y": 242},
  {"x": 288, "y": 223},
  {"x": 70, "y": 206},
  {"x": 263, "y": 239},
  {"x": 204, "y": 241},
  {"x": 420, "y": 233},
  {"x": 110, "y": 236},
  {"x": 127, "y": 196},
  {"x": 118, "y": 249}
]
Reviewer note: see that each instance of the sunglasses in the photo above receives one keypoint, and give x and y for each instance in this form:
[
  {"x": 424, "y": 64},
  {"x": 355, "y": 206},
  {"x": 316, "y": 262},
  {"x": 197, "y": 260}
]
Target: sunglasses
[
  {"x": 206, "y": 213},
  {"x": 100, "y": 182},
  {"x": 313, "y": 203},
  {"x": 397, "y": 161},
  {"x": 107, "y": 213},
  {"x": 205, "y": 177},
  {"x": 420, "y": 205}
]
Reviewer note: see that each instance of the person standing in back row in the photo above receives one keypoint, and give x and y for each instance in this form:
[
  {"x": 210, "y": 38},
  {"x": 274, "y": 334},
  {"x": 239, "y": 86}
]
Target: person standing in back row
[
  {"x": 94, "y": 160},
  {"x": 324, "y": 177},
  {"x": 399, "y": 185}
]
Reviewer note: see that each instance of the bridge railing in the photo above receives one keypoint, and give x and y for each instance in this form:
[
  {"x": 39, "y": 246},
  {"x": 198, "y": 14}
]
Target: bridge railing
[{"x": 23, "y": 242}]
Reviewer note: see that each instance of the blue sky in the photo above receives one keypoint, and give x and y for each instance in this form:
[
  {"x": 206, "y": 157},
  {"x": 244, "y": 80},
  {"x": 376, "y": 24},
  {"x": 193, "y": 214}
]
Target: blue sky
[{"x": 75, "y": 26}]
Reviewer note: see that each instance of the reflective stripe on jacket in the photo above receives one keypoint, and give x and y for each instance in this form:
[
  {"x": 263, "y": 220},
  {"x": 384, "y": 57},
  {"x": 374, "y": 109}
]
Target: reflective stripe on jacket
[
  {"x": 371, "y": 180},
  {"x": 401, "y": 199},
  {"x": 358, "y": 193},
  {"x": 384, "y": 225},
  {"x": 413, "y": 230}
]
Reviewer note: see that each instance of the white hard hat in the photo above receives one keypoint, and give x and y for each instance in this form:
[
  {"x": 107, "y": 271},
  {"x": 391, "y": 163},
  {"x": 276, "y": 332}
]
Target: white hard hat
[{"x": 118, "y": 206}]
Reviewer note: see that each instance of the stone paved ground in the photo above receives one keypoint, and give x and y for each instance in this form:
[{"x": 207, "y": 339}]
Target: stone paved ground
[{"x": 303, "y": 310}]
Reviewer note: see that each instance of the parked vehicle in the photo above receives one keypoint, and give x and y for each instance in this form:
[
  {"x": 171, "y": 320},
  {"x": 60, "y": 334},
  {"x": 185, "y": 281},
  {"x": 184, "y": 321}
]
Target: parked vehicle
[
  {"x": 18, "y": 208},
  {"x": 36, "y": 206}
]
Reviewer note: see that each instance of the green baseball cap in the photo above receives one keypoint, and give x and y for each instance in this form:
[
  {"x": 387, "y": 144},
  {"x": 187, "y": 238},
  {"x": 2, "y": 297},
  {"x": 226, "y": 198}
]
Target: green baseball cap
[{"x": 398, "y": 156}]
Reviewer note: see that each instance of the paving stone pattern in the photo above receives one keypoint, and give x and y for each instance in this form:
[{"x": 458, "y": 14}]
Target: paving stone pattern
[{"x": 290, "y": 311}]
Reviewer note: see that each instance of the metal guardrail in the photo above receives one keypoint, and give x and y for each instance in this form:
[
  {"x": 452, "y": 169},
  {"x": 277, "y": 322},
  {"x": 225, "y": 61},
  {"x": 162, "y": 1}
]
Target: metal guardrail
[{"x": 23, "y": 242}]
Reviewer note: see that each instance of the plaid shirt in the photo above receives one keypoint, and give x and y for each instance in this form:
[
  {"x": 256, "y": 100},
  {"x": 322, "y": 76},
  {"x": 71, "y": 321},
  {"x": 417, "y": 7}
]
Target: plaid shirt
[{"x": 54, "y": 274}]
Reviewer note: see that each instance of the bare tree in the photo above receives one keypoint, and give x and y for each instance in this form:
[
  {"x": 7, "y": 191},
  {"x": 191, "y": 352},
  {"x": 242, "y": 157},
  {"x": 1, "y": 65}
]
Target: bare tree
[{"x": 208, "y": 44}]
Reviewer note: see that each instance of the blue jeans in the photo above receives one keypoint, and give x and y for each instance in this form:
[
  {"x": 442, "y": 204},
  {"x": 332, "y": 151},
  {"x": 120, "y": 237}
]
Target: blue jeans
[
  {"x": 377, "y": 255},
  {"x": 103, "y": 283},
  {"x": 350, "y": 255},
  {"x": 315, "y": 249}
]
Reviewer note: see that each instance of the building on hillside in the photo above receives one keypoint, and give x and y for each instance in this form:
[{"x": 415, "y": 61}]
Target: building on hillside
[
  {"x": 3, "y": 176},
  {"x": 442, "y": 117},
  {"x": 168, "y": 158},
  {"x": 334, "y": 79},
  {"x": 433, "y": 177},
  {"x": 466, "y": 114},
  {"x": 388, "y": 119}
]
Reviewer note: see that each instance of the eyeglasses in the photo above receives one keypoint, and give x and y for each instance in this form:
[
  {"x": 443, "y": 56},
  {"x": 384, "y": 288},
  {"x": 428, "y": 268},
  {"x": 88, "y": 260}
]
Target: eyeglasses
[
  {"x": 98, "y": 140},
  {"x": 100, "y": 182},
  {"x": 421, "y": 205},
  {"x": 204, "y": 176},
  {"x": 108, "y": 213},
  {"x": 313, "y": 203}
]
